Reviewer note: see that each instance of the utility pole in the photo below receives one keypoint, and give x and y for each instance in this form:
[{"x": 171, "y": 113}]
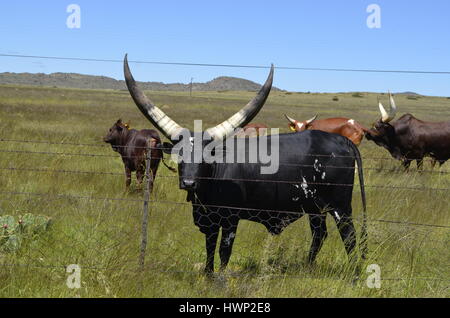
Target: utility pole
[{"x": 190, "y": 88}]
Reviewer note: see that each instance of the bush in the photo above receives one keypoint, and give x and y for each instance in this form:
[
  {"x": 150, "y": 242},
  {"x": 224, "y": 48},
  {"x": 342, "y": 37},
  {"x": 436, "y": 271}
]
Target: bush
[
  {"x": 358, "y": 95},
  {"x": 335, "y": 98},
  {"x": 13, "y": 232}
]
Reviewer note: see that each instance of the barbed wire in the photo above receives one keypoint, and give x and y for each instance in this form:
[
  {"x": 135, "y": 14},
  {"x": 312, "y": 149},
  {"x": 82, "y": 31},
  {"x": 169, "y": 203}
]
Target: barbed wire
[
  {"x": 233, "y": 179},
  {"x": 63, "y": 171},
  {"x": 297, "y": 68},
  {"x": 280, "y": 163},
  {"x": 156, "y": 202},
  {"x": 293, "y": 213},
  {"x": 116, "y": 173},
  {"x": 69, "y": 196},
  {"x": 199, "y": 272},
  {"x": 163, "y": 148},
  {"x": 210, "y": 206}
]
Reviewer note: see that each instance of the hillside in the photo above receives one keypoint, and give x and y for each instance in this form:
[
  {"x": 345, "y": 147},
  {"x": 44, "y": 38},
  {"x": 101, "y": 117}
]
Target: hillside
[{"x": 74, "y": 80}]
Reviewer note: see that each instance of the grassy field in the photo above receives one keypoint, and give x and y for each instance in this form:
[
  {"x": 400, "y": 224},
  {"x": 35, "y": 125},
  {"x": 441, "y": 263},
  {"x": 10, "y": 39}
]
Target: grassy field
[{"x": 103, "y": 236}]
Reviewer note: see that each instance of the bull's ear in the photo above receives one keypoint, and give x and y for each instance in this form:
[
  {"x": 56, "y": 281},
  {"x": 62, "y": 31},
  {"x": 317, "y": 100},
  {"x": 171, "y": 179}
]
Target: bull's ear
[{"x": 166, "y": 147}]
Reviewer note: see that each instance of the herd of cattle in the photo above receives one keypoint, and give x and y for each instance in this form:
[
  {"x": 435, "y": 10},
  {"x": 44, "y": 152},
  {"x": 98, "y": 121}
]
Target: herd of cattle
[{"x": 317, "y": 161}]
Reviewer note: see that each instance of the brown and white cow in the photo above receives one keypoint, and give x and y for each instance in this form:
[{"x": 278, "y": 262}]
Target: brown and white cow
[
  {"x": 346, "y": 127},
  {"x": 132, "y": 146}
]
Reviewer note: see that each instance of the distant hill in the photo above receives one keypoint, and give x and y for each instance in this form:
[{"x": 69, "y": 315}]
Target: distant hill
[
  {"x": 74, "y": 80},
  {"x": 408, "y": 93}
]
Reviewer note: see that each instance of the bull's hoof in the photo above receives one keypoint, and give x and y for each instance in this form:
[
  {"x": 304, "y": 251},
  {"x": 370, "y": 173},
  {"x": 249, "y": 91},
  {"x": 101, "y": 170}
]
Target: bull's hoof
[
  {"x": 208, "y": 272},
  {"x": 209, "y": 275}
]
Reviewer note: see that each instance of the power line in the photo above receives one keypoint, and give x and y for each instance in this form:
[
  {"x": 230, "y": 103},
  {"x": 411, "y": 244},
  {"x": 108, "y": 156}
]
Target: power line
[{"x": 229, "y": 65}]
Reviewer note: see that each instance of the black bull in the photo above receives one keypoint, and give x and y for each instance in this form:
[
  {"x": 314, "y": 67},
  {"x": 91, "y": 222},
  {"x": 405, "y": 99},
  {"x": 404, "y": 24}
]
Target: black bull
[
  {"x": 304, "y": 184},
  {"x": 315, "y": 176},
  {"x": 409, "y": 139}
]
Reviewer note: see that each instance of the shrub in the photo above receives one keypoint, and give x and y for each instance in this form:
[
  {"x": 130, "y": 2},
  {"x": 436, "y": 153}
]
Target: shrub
[{"x": 13, "y": 232}]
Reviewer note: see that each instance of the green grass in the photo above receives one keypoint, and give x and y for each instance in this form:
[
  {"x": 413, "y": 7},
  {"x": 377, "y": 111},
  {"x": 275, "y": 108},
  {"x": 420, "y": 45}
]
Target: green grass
[{"x": 103, "y": 236}]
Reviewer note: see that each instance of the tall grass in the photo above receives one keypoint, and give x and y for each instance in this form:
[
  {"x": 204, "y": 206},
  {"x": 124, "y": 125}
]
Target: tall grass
[{"x": 103, "y": 236}]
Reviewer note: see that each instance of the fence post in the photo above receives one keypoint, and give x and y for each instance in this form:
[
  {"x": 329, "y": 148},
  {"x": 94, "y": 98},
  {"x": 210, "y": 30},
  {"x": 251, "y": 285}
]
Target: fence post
[{"x": 148, "y": 188}]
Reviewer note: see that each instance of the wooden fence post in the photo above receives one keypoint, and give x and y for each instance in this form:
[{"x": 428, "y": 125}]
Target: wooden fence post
[{"x": 148, "y": 189}]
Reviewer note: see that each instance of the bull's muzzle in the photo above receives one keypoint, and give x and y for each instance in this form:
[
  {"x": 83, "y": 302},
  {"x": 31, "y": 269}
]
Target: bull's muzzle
[{"x": 188, "y": 184}]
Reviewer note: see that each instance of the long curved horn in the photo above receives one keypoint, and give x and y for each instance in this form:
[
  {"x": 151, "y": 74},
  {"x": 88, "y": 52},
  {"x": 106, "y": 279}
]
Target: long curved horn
[
  {"x": 292, "y": 120},
  {"x": 385, "y": 117},
  {"x": 245, "y": 115},
  {"x": 393, "y": 111},
  {"x": 309, "y": 121},
  {"x": 384, "y": 114},
  {"x": 156, "y": 116}
]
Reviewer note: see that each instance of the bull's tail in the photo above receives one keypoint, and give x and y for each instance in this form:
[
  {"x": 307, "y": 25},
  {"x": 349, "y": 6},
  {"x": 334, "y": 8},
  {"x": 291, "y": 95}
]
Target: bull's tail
[
  {"x": 363, "y": 242},
  {"x": 153, "y": 143}
]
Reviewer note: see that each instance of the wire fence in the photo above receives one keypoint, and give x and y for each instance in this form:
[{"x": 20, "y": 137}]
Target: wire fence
[
  {"x": 153, "y": 202},
  {"x": 82, "y": 234}
]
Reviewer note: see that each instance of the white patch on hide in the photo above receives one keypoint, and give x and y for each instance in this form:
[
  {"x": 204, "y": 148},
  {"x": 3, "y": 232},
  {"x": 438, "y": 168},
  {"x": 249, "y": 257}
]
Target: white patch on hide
[
  {"x": 229, "y": 238},
  {"x": 317, "y": 165},
  {"x": 337, "y": 216},
  {"x": 305, "y": 187}
]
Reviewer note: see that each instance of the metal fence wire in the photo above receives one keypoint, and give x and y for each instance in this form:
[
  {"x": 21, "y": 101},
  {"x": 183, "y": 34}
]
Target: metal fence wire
[{"x": 150, "y": 202}]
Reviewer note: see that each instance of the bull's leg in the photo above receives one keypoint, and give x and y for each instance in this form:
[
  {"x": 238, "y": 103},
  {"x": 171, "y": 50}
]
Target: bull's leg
[
  {"x": 127, "y": 177},
  {"x": 226, "y": 245},
  {"x": 211, "y": 241},
  {"x": 318, "y": 226},
  {"x": 154, "y": 169},
  {"x": 140, "y": 172},
  {"x": 346, "y": 230}
]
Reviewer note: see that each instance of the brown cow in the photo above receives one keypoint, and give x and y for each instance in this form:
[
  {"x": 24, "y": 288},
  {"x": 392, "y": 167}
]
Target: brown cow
[
  {"x": 342, "y": 126},
  {"x": 132, "y": 145},
  {"x": 253, "y": 130}
]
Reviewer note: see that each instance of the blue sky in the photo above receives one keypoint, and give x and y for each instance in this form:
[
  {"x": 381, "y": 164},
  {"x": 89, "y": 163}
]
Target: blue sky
[{"x": 414, "y": 35}]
